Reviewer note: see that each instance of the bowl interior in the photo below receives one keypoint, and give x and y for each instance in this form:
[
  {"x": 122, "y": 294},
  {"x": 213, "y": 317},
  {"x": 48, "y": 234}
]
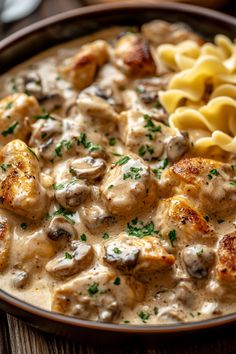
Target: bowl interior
[{"x": 47, "y": 33}]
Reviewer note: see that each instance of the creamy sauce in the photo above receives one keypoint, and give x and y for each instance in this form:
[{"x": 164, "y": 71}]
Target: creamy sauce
[{"x": 106, "y": 212}]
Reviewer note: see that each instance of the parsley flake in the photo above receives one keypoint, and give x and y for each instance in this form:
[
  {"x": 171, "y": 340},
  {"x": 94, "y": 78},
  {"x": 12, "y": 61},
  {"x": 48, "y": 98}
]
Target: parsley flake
[
  {"x": 68, "y": 255},
  {"x": 83, "y": 237},
  {"x": 122, "y": 161},
  {"x": 105, "y": 236},
  {"x": 23, "y": 226},
  {"x": 172, "y": 237},
  {"x": 212, "y": 173},
  {"x": 112, "y": 141},
  {"x": 10, "y": 129},
  {"x": 144, "y": 316},
  {"x": 138, "y": 229},
  {"x": 93, "y": 289},
  {"x": 117, "y": 281}
]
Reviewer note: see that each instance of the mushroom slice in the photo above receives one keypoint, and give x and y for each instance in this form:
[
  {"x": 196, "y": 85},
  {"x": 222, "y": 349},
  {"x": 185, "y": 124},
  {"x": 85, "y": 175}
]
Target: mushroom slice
[
  {"x": 20, "y": 188},
  {"x": 198, "y": 260},
  {"x": 78, "y": 258},
  {"x": 96, "y": 217},
  {"x": 81, "y": 69},
  {"x": 177, "y": 146},
  {"x": 138, "y": 254},
  {"x": 133, "y": 56},
  {"x": 129, "y": 186},
  {"x": 71, "y": 194},
  {"x": 16, "y": 114},
  {"x": 99, "y": 295},
  {"x": 96, "y": 107},
  {"x": 59, "y": 228},
  {"x": 5, "y": 241},
  {"x": 226, "y": 259},
  {"x": 88, "y": 168}
]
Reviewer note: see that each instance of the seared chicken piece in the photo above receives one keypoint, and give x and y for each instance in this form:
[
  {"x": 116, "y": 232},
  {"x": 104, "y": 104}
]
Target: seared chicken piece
[
  {"x": 132, "y": 55},
  {"x": 16, "y": 115},
  {"x": 76, "y": 259},
  {"x": 149, "y": 138},
  {"x": 211, "y": 183},
  {"x": 20, "y": 189},
  {"x": 180, "y": 224},
  {"x": 129, "y": 186},
  {"x": 159, "y": 32},
  {"x": 99, "y": 295},
  {"x": 133, "y": 254},
  {"x": 5, "y": 241},
  {"x": 81, "y": 69},
  {"x": 226, "y": 259}
]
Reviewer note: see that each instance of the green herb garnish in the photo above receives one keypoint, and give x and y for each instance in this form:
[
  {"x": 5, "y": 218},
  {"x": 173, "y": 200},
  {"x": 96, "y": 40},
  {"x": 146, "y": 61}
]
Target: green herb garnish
[
  {"x": 112, "y": 141},
  {"x": 5, "y": 166},
  {"x": 138, "y": 229},
  {"x": 122, "y": 161},
  {"x": 144, "y": 316},
  {"x": 158, "y": 171},
  {"x": 117, "y": 281},
  {"x": 172, "y": 237},
  {"x": 213, "y": 173},
  {"x": 134, "y": 173},
  {"x": 117, "y": 250},
  {"x": 68, "y": 255},
  {"x": 10, "y": 129},
  {"x": 65, "y": 213},
  {"x": 105, "y": 236},
  {"x": 93, "y": 289},
  {"x": 8, "y": 105},
  {"x": 83, "y": 237},
  {"x": 87, "y": 144},
  {"x": 63, "y": 144}
]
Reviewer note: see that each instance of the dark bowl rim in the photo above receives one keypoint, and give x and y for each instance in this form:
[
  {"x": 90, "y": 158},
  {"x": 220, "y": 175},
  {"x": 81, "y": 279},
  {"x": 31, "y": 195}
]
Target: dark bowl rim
[{"x": 30, "y": 309}]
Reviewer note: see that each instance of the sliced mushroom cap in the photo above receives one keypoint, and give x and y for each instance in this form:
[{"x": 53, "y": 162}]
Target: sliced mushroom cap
[
  {"x": 121, "y": 255},
  {"x": 198, "y": 259},
  {"x": 96, "y": 217},
  {"x": 78, "y": 258},
  {"x": 88, "y": 168},
  {"x": 20, "y": 280},
  {"x": 47, "y": 149},
  {"x": 72, "y": 194},
  {"x": 50, "y": 127},
  {"x": 177, "y": 147},
  {"x": 29, "y": 83},
  {"x": 59, "y": 228}
]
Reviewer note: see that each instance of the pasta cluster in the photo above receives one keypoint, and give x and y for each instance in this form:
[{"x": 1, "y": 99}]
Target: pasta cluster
[{"x": 201, "y": 94}]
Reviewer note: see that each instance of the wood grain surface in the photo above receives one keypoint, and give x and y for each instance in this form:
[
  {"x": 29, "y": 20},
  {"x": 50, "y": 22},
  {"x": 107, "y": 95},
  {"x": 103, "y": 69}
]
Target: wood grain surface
[{"x": 18, "y": 338}]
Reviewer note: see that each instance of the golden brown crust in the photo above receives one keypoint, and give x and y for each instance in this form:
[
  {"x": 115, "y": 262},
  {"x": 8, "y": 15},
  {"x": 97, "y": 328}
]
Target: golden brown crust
[
  {"x": 226, "y": 263},
  {"x": 5, "y": 242}
]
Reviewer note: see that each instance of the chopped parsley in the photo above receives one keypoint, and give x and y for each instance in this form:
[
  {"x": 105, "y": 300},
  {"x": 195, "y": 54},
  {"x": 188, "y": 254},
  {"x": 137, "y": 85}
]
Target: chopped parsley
[
  {"x": 206, "y": 217},
  {"x": 10, "y": 129},
  {"x": 93, "y": 289},
  {"x": 200, "y": 253},
  {"x": 112, "y": 141},
  {"x": 68, "y": 255},
  {"x": 151, "y": 127},
  {"x": 8, "y": 105},
  {"x": 213, "y": 173},
  {"x": 65, "y": 213},
  {"x": 232, "y": 183},
  {"x": 117, "y": 250},
  {"x": 111, "y": 186},
  {"x": 87, "y": 144},
  {"x": 60, "y": 186},
  {"x": 134, "y": 173},
  {"x": 144, "y": 149},
  {"x": 122, "y": 161},
  {"x": 172, "y": 237},
  {"x": 105, "y": 236},
  {"x": 144, "y": 316},
  {"x": 5, "y": 166},
  {"x": 45, "y": 116},
  {"x": 158, "y": 171},
  {"x": 63, "y": 144},
  {"x": 138, "y": 229},
  {"x": 23, "y": 226},
  {"x": 58, "y": 78},
  {"x": 155, "y": 310},
  {"x": 117, "y": 281},
  {"x": 83, "y": 237}
]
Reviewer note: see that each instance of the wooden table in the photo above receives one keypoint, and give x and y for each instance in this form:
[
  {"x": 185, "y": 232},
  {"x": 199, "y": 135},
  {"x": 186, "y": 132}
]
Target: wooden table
[{"x": 18, "y": 338}]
